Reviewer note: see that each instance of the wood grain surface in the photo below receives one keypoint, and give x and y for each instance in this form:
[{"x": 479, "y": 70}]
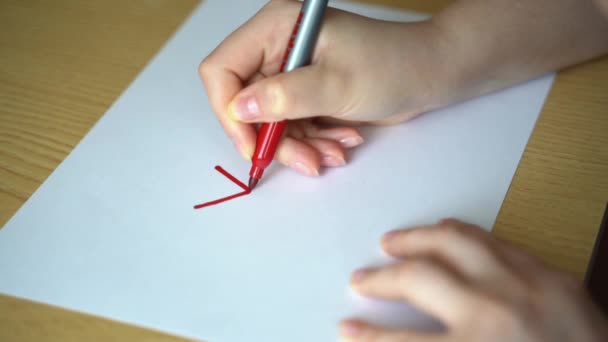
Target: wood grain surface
[{"x": 64, "y": 62}]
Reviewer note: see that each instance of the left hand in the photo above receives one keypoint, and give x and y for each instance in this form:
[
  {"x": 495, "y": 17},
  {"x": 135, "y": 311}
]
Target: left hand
[{"x": 480, "y": 288}]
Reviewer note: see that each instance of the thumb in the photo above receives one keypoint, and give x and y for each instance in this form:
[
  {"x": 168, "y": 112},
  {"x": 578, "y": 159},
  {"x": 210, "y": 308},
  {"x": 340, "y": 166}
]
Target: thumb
[{"x": 302, "y": 93}]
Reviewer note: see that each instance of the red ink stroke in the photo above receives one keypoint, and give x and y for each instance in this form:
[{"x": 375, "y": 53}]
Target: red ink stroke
[{"x": 246, "y": 190}]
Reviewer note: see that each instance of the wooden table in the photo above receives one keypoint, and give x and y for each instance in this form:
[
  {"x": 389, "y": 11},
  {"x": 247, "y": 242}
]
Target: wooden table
[{"x": 64, "y": 62}]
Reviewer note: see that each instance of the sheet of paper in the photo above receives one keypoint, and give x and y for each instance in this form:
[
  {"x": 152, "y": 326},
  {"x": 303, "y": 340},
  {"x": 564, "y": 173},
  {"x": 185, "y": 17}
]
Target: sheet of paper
[{"x": 112, "y": 231}]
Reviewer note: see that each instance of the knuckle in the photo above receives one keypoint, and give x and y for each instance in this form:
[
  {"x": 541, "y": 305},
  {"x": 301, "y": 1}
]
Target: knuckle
[
  {"x": 413, "y": 269},
  {"x": 453, "y": 233},
  {"x": 470, "y": 235},
  {"x": 448, "y": 221},
  {"x": 458, "y": 228},
  {"x": 512, "y": 316},
  {"x": 568, "y": 283},
  {"x": 204, "y": 68},
  {"x": 279, "y": 100},
  {"x": 499, "y": 315}
]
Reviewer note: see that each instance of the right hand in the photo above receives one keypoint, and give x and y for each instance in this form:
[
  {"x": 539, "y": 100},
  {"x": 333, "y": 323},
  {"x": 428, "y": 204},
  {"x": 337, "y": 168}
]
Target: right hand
[{"x": 362, "y": 71}]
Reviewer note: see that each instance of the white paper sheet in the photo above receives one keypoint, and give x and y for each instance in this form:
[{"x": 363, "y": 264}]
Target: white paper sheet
[{"x": 112, "y": 231}]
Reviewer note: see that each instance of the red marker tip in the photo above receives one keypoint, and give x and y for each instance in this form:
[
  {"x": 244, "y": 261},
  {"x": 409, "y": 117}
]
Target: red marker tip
[{"x": 252, "y": 183}]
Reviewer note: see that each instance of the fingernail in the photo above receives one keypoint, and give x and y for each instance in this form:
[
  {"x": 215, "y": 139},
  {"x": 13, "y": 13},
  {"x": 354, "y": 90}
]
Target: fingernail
[
  {"x": 359, "y": 275},
  {"x": 244, "y": 108},
  {"x": 351, "y": 141},
  {"x": 448, "y": 220},
  {"x": 389, "y": 236},
  {"x": 302, "y": 168},
  {"x": 350, "y": 329},
  {"x": 332, "y": 161}
]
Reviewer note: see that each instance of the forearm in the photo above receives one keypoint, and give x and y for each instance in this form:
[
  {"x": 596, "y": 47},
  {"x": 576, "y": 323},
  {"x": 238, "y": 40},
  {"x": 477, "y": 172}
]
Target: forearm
[{"x": 486, "y": 45}]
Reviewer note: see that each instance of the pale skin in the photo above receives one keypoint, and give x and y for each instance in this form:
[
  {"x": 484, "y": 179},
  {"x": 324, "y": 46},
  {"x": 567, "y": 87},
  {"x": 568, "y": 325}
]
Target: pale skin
[
  {"x": 480, "y": 288},
  {"x": 375, "y": 72}
]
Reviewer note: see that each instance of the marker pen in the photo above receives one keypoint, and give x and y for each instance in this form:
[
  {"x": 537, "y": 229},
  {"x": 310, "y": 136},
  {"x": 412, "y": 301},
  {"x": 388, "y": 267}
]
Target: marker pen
[{"x": 299, "y": 52}]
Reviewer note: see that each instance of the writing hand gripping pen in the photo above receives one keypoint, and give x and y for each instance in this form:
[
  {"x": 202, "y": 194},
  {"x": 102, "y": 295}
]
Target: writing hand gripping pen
[{"x": 299, "y": 52}]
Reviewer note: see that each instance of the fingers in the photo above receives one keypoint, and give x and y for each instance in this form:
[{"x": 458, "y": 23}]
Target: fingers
[
  {"x": 462, "y": 276},
  {"x": 255, "y": 47},
  {"x": 348, "y": 137},
  {"x": 299, "y": 156},
  {"x": 307, "y": 155},
  {"x": 331, "y": 152},
  {"x": 519, "y": 260},
  {"x": 427, "y": 283},
  {"x": 483, "y": 259},
  {"x": 466, "y": 247},
  {"x": 302, "y": 93},
  {"x": 357, "y": 331},
  {"x": 307, "y": 146}
]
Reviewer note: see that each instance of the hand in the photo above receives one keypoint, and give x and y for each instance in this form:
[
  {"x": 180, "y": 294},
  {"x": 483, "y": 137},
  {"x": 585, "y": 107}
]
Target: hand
[
  {"x": 358, "y": 73},
  {"x": 482, "y": 289}
]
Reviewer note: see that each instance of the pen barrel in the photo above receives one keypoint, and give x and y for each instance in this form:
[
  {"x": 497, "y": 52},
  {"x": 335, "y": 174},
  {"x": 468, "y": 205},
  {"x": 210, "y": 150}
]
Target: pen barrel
[
  {"x": 304, "y": 36},
  {"x": 298, "y": 53},
  {"x": 266, "y": 144}
]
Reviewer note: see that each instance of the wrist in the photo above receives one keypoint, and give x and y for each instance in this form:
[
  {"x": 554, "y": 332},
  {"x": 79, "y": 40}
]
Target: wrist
[
  {"x": 426, "y": 58},
  {"x": 466, "y": 63}
]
